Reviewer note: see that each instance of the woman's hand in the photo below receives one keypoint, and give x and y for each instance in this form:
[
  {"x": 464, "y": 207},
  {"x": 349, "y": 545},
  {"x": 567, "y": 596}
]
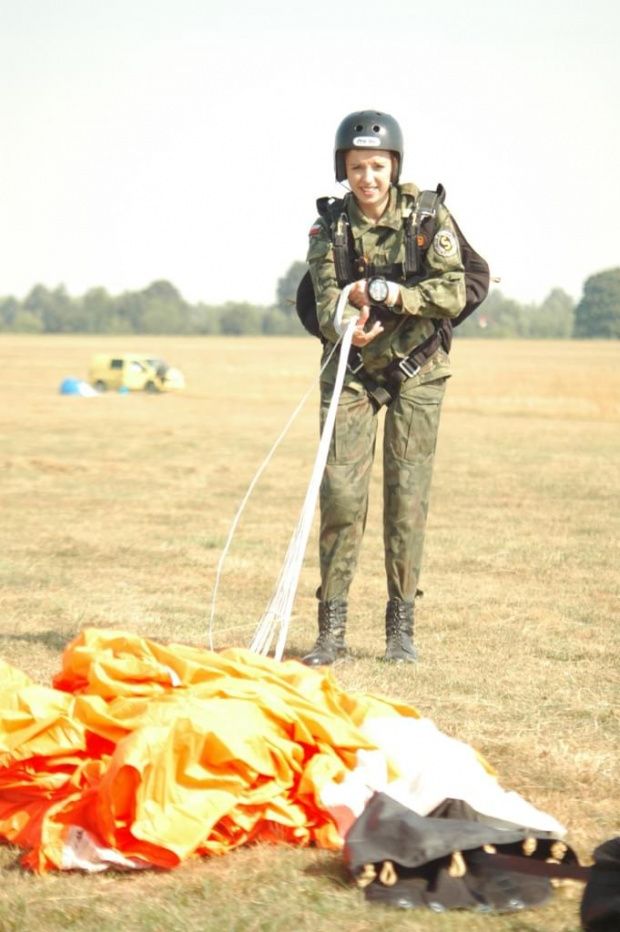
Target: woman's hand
[
  {"x": 358, "y": 296},
  {"x": 361, "y": 336}
]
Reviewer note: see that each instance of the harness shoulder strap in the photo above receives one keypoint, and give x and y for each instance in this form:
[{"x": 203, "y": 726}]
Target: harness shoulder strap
[
  {"x": 420, "y": 227},
  {"x": 333, "y": 212},
  {"x": 329, "y": 208}
]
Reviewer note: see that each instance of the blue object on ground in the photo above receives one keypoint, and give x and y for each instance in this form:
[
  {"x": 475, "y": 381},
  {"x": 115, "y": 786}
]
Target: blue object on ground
[{"x": 73, "y": 386}]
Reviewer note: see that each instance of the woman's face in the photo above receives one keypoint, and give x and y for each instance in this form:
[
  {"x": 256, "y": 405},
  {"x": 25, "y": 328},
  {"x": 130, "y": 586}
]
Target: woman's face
[{"x": 369, "y": 172}]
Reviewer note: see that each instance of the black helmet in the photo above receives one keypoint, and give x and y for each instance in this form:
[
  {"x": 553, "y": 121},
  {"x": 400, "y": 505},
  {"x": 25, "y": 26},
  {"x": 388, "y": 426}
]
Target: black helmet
[{"x": 368, "y": 129}]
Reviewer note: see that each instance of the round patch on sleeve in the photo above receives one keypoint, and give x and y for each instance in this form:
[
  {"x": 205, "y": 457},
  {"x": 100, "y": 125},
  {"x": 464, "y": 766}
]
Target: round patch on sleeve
[{"x": 445, "y": 243}]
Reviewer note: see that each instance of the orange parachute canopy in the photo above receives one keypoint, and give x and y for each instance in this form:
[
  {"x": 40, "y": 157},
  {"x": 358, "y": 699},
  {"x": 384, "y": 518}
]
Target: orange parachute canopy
[{"x": 144, "y": 754}]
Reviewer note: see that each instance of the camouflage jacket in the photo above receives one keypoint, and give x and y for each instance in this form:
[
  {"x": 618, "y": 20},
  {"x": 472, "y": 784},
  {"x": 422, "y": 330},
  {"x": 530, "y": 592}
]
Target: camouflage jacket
[{"x": 441, "y": 294}]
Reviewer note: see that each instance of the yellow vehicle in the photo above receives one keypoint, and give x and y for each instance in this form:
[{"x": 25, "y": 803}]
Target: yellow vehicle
[{"x": 133, "y": 372}]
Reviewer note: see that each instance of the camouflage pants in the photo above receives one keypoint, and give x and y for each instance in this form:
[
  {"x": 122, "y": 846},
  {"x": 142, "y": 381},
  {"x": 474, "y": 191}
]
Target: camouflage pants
[{"x": 410, "y": 439}]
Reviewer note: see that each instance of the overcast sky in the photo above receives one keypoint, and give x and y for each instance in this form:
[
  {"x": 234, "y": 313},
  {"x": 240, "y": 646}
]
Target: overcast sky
[{"x": 189, "y": 139}]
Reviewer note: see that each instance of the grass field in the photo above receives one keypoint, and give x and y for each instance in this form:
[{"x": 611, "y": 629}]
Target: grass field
[{"x": 114, "y": 512}]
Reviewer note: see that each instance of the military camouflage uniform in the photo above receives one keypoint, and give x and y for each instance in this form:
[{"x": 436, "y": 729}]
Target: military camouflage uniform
[{"x": 411, "y": 420}]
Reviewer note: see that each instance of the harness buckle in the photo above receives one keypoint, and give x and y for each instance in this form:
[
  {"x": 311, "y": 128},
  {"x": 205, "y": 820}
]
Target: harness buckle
[
  {"x": 408, "y": 368},
  {"x": 362, "y": 267},
  {"x": 356, "y": 365}
]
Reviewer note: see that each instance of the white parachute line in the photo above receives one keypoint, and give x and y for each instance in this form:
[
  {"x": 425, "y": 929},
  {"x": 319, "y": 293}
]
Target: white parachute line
[
  {"x": 277, "y": 615},
  {"x": 263, "y": 466}
]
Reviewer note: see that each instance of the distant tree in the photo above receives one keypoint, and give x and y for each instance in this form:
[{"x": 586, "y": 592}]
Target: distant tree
[
  {"x": 128, "y": 309},
  {"x": 205, "y": 319},
  {"x": 26, "y": 322},
  {"x": 98, "y": 310},
  {"x": 74, "y": 317},
  {"x": 275, "y": 322},
  {"x": 497, "y": 316},
  {"x": 554, "y": 318},
  {"x": 239, "y": 319},
  {"x": 54, "y": 308},
  {"x": 287, "y": 287},
  {"x": 159, "y": 308},
  {"x": 164, "y": 310},
  {"x": 598, "y": 313},
  {"x": 163, "y": 290},
  {"x": 9, "y": 307},
  {"x": 163, "y": 317}
]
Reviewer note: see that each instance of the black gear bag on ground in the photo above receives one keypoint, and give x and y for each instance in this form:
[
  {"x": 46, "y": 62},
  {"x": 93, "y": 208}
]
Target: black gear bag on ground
[{"x": 456, "y": 858}]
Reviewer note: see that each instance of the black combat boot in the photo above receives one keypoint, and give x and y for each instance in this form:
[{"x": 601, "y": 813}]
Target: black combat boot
[
  {"x": 330, "y": 642},
  {"x": 399, "y": 647}
]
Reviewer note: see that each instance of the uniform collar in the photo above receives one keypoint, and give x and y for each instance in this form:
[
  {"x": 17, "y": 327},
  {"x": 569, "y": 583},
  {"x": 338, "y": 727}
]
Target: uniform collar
[{"x": 391, "y": 218}]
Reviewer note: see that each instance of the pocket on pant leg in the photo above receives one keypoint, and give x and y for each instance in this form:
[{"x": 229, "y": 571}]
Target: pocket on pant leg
[
  {"x": 354, "y": 429},
  {"x": 412, "y": 422}
]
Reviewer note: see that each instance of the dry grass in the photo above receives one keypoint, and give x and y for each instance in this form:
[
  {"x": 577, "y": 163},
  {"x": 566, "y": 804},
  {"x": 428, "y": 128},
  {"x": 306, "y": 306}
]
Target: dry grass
[{"x": 114, "y": 513}]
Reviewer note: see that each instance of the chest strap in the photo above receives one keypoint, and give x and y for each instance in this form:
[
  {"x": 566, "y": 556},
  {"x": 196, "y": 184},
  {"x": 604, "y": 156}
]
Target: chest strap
[{"x": 420, "y": 222}]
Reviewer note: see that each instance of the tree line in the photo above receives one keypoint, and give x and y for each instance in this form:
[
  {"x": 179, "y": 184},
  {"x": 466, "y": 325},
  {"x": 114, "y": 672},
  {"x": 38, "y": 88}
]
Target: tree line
[
  {"x": 161, "y": 309},
  {"x": 158, "y": 309}
]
